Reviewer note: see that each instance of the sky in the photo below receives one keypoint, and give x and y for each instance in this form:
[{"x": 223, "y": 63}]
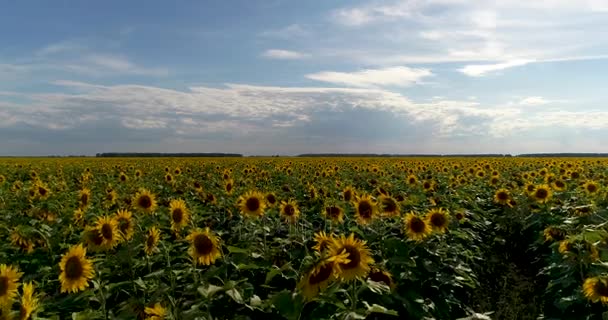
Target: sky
[{"x": 288, "y": 77}]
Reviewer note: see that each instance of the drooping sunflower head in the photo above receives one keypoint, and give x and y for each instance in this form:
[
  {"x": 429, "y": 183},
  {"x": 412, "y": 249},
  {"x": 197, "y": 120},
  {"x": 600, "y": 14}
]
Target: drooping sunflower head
[
  {"x": 554, "y": 234},
  {"x": 29, "y": 302},
  {"x": 542, "y": 193},
  {"x": 321, "y": 275},
  {"x": 21, "y": 240},
  {"x": 204, "y": 246},
  {"x": 389, "y": 206},
  {"x": 334, "y": 213},
  {"x": 596, "y": 289},
  {"x": 383, "y": 276},
  {"x": 76, "y": 270},
  {"x": 152, "y": 239},
  {"x": 124, "y": 221},
  {"x": 290, "y": 211},
  {"x": 252, "y": 204},
  {"x": 180, "y": 215},
  {"x": 9, "y": 278},
  {"x": 502, "y": 196},
  {"x": 359, "y": 256},
  {"x": 108, "y": 229},
  {"x": 144, "y": 201},
  {"x": 323, "y": 241},
  {"x": 156, "y": 312},
  {"x": 416, "y": 228},
  {"x": 365, "y": 209},
  {"x": 438, "y": 219}
]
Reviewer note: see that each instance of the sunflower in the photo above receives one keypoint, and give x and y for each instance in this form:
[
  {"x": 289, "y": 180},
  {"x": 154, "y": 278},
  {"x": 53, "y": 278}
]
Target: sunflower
[
  {"x": 229, "y": 186},
  {"x": 76, "y": 270},
  {"x": 155, "y": 313},
  {"x": 365, "y": 209},
  {"x": 591, "y": 187},
  {"x": 108, "y": 229},
  {"x": 334, "y": 213},
  {"x": 271, "y": 199},
  {"x": 204, "y": 247},
  {"x": 348, "y": 194},
  {"x": 29, "y": 303},
  {"x": 412, "y": 179},
  {"x": 416, "y": 228},
  {"x": 180, "y": 216},
  {"x": 169, "y": 179},
  {"x": 379, "y": 275},
  {"x": 438, "y": 219},
  {"x": 530, "y": 188},
  {"x": 93, "y": 239},
  {"x": 389, "y": 206},
  {"x": 138, "y": 173},
  {"x": 84, "y": 197},
  {"x": 502, "y": 197},
  {"x": 559, "y": 185},
  {"x": 460, "y": 216},
  {"x": 252, "y": 204},
  {"x": 78, "y": 217},
  {"x": 124, "y": 220},
  {"x": 542, "y": 193},
  {"x": 554, "y": 234},
  {"x": 144, "y": 200},
  {"x": 323, "y": 241},
  {"x": 596, "y": 289},
  {"x": 9, "y": 277},
  {"x": 290, "y": 211},
  {"x": 20, "y": 240},
  {"x": 152, "y": 240},
  {"x": 42, "y": 191},
  {"x": 320, "y": 276},
  {"x": 359, "y": 256}
]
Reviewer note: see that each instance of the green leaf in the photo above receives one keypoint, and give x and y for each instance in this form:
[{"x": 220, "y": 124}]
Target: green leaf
[
  {"x": 209, "y": 291},
  {"x": 232, "y": 249},
  {"x": 235, "y": 295}
]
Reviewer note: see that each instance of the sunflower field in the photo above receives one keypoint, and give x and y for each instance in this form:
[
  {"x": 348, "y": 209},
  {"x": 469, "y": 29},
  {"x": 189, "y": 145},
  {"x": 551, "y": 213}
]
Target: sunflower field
[{"x": 304, "y": 238}]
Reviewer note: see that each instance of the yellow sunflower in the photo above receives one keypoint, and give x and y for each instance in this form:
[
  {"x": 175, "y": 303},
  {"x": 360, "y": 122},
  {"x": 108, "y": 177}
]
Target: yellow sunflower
[
  {"x": 180, "y": 215},
  {"x": 542, "y": 193},
  {"x": 252, "y": 204},
  {"x": 29, "y": 303},
  {"x": 502, "y": 197},
  {"x": 389, "y": 206},
  {"x": 365, "y": 209},
  {"x": 323, "y": 241},
  {"x": 124, "y": 221},
  {"x": 144, "y": 201},
  {"x": 78, "y": 217},
  {"x": 122, "y": 177},
  {"x": 321, "y": 275},
  {"x": 559, "y": 185},
  {"x": 42, "y": 191},
  {"x": 348, "y": 194},
  {"x": 84, "y": 197},
  {"x": 554, "y": 234},
  {"x": 229, "y": 186},
  {"x": 591, "y": 187},
  {"x": 412, "y": 179},
  {"x": 155, "y": 313},
  {"x": 169, "y": 178},
  {"x": 76, "y": 270},
  {"x": 204, "y": 247},
  {"x": 416, "y": 228},
  {"x": 110, "y": 199},
  {"x": 438, "y": 219},
  {"x": 596, "y": 289},
  {"x": 9, "y": 277},
  {"x": 359, "y": 256},
  {"x": 290, "y": 211},
  {"x": 152, "y": 240},
  {"x": 271, "y": 199},
  {"x": 334, "y": 213},
  {"x": 108, "y": 229},
  {"x": 20, "y": 240}
]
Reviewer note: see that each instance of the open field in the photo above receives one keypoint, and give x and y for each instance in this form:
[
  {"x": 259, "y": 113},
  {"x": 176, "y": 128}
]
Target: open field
[{"x": 303, "y": 238}]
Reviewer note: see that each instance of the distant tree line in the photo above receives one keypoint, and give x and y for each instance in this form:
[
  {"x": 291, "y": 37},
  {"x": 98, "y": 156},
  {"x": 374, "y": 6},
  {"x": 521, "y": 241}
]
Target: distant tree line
[
  {"x": 574, "y": 155},
  {"x": 362, "y": 155},
  {"x": 152, "y": 155}
]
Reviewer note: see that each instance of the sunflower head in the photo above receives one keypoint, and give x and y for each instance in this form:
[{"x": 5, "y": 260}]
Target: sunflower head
[
  {"x": 383, "y": 276},
  {"x": 124, "y": 222},
  {"x": 502, "y": 197},
  {"x": 289, "y": 210},
  {"x": 348, "y": 194},
  {"x": 180, "y": 215},
  {"x": 334, "y": 213},
  {"x": 21, "y": 240},
  {"x": 416, "y": 228},
  {"x": 9, "y": 278},
  {"x": 554, "y": 234},
  {"x": 156, "y": 312},
  {"x": 389, "y": 206},
  {"x": 591, "y": 187},
  {"x": 84, "y": 197},
  {"x": 252, "y": 204},
  {"x": 144, "y": 201},
  {"x": 359, "y": 256},
  {"x": 152, "y": 239},
  {"x": 229, "y": 186},
  {"x": 438, "y": 219},
  {"x": 76, "y": 270},
  {"x": 542, "y": 193},
  {"x": 323, "y": 241},
  {"x": 596, "y": 289},
  {"x": 321, "y": 275},
  {"x": 559, "y": 185},
  {"x": 107, "y": 227},
  {"x": 29, "y": 303},
  {"x": 204, "y": 246},
  {"x": 365, "y": 209}
]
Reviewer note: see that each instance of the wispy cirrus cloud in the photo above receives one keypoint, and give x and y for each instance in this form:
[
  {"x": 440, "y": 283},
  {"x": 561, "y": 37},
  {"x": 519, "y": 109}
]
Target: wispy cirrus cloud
[
  {"x": 281, "y": 54},
  {"x": 478, "y": 70},
  {"x": 394, "y": 76}
]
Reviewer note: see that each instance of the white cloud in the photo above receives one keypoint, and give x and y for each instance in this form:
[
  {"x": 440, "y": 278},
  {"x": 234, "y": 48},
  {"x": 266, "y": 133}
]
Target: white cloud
[
  {"x": 393, "y": 76},
  {"x": 289, "y": 32},
  {"x": 478, "y": 70},
  {"x": 533, "y": 101},
  {"x": 283, "y": 54}
]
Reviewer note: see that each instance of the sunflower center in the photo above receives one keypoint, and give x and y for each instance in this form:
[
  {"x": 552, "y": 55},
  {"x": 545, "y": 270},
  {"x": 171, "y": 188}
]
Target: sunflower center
[
  {"x": 96, "y": 237},
  {"x": 333, "y": 211},
  {"x": 365, "y": 209},
  {"x": 380, "y": 276},
  {"x": 229, "y": 187},
  {"x": 348, "y": 195},
  {"x": 459, "y": 216},
  {"x": 203, "y": 244},
  {"x": 145, "y": 201},
  {"x": 322, "y": 274},
  {"x": 177, "y": 215},
  {"x": 124, "y": 225},
  {"x": 84, "y": 198},
  {"x": 417, "y": 225},
  {"x": 438, "y": 220},
  {"x": 503, "y": 196},
  {"x": 73, "y": 268},
  {"x": 150, "y": 242},
  {"x": 3, "y": 286},
  {"x": 271, "y": 199},
  {"x": 353, "y": 255},
  {"x": 530, "y": 188},
  {"x": 42, "y": 191},
  {"x": 559, "y": 184},
  {"x": 541, "y": 193},
  {"x": 107, "y": 231},
  {"x": 252, "y": 204},
  {"x": 289, "y": 210},
  {"x": 601, "y": 288},
  {"x": 389, "y": 205},
  {"x": 591, "y": 188}
]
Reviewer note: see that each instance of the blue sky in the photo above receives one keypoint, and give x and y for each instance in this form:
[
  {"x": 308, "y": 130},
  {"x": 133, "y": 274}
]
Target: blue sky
[{"x": 288, "y": 77}]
